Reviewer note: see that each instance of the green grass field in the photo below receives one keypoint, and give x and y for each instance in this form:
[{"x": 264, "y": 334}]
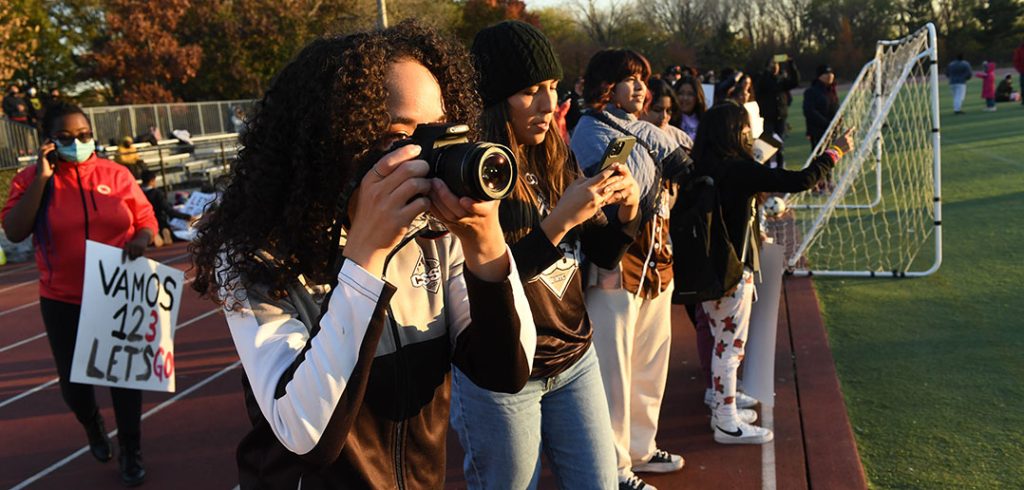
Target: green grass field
[{"x": 932, "y": 369}]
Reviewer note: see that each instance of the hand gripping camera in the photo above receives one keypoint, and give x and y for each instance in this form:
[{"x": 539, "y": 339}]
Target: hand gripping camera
[{"x": 481, "y": 171}]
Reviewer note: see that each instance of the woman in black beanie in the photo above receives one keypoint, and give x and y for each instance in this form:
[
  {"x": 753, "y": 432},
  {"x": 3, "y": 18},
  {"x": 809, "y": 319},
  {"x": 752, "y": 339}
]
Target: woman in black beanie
[{"x": 549, "y": 222}]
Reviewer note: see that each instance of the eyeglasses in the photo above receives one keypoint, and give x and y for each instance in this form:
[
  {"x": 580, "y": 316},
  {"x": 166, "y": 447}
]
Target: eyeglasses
[{"x": 66, "y": 138}]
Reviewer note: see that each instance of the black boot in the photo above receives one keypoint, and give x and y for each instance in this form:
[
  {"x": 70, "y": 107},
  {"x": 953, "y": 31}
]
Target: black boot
[
  {"x": 99, "y": 443},
  {"x": 130, "y": 459}
]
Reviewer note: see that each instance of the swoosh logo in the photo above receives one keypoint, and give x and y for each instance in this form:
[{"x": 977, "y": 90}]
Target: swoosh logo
[{"x": 735, "y": 433}]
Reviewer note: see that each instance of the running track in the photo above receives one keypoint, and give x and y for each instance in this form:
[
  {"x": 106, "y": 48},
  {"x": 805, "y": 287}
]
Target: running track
[{"x": 189, "y": 436}]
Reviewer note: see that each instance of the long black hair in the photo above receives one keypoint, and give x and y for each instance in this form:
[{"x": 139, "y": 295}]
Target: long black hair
[
  {"x": 720, "y": 136},
  {"x": 660, "y": 88}
]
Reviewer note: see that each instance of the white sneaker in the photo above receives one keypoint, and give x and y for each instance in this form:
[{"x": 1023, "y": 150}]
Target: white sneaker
[
  {"x": 661, "y": 462},
  {"x": 746, "y": 416},
  {"x": 742, "y": 433},
  {"x": 743, "y": 400},
  {"x": 633, "y": 482}
]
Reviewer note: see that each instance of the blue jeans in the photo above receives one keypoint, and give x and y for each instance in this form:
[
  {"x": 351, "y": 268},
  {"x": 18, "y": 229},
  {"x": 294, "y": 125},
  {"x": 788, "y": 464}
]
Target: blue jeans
[{"x": 566, "y": 415}]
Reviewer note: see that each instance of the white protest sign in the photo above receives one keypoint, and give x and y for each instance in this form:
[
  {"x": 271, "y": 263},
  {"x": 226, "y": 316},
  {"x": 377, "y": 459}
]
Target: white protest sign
[
  {"x": 759, "y": 362},
  {"x": 126, "y": 328},
  {"x": 709, "y": 95},
  {"x": 756, "y": 121}
]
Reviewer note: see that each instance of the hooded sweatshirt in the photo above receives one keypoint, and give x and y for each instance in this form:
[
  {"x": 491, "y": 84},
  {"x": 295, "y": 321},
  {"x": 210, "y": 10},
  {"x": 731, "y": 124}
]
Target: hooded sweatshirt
[
  {"x": 988, "y": 81},
  {"x": 96, "y": 200}
]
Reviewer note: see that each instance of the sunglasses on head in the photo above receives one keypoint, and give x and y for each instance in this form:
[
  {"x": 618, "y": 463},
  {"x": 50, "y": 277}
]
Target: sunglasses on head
[{"x": 66, "y": 138}]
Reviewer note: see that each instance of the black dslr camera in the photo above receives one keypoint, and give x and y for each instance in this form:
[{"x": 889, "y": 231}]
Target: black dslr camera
[{"x": 482, "y": 171}]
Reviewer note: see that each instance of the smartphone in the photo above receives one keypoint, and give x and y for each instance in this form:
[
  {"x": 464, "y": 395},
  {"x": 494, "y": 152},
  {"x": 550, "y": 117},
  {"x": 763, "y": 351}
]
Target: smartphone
[
  {"x": 52, "y": 156},
  {"x": 781, "y": 58},
  {"x": 618, "y": 151}
]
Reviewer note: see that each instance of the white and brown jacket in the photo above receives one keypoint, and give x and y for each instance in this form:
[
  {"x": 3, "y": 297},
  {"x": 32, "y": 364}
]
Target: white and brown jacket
[{"x": 350, "y": 388}]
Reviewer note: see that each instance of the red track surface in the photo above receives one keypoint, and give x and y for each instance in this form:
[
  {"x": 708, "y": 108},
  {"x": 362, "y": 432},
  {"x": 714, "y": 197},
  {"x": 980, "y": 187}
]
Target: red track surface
[{"x": 190, "y": 442}]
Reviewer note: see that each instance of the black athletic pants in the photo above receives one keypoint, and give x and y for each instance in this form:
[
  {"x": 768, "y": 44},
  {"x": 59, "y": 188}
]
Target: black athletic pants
[{"x": 61, "y": 320}]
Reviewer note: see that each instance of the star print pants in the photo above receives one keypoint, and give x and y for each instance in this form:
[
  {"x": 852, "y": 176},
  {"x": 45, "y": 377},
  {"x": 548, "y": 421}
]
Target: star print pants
[{"x": 730, "y": 322}]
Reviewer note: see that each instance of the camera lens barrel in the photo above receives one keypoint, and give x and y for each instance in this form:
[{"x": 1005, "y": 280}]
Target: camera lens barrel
[{"x": 482, "y": 171}]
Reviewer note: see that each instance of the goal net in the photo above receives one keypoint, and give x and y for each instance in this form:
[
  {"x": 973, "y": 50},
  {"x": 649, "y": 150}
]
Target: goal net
[{"x": 879, "y": 214}]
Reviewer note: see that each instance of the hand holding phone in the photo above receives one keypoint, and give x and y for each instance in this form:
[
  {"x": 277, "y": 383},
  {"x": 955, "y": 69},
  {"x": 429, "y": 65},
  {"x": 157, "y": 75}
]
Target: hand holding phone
[
  {"x": 780, "y": 58},
  {"x": 618, "y": 151},
  {"x": 47, "y": 160}
]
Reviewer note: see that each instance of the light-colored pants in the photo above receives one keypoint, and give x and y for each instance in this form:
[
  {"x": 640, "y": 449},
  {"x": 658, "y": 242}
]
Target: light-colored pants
[
  {"x": 730, "y": 323},
  {"x": 503, "y": 434},
  {"x": 633, "y": 337},
  {"x": 959, "y": 92}
]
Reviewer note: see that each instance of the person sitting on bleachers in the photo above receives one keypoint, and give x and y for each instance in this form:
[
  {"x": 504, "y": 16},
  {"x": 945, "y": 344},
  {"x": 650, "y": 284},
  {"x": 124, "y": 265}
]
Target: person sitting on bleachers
[
  {"x": 163, "y": 210},
  {"x": 128, "y": 156}
]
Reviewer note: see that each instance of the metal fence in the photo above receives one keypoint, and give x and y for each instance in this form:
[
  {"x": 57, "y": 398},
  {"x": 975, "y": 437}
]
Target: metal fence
[
  {"x": 198, "y": 118},
  {"x": 16, "y": 140},
  {"x": 115, "y": 122}
]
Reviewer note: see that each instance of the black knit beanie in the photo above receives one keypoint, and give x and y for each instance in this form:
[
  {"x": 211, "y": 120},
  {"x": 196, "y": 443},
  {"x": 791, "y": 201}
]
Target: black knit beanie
[{"x": 511, "y": 56}]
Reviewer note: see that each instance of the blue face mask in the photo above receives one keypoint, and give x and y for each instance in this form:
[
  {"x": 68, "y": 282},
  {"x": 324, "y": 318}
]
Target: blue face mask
[{"x": 77, "y": 151}]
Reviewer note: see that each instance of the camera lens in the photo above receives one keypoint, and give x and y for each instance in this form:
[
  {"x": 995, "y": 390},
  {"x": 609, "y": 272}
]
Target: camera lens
[
  {"x": 482, "y": 171},
  {"x": 495, "y": 173}
]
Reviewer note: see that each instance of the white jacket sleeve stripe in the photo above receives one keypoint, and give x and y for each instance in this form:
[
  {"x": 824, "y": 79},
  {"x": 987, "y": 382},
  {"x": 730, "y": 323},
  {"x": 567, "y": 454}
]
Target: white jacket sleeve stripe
[{"x": 269, "y": 339}]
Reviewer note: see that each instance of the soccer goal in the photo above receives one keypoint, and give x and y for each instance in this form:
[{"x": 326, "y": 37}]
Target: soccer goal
[{"x": 880, "y": 212}]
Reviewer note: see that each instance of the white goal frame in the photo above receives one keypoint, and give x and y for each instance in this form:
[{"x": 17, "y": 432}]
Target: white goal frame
[{"x": 869, "y": 151}]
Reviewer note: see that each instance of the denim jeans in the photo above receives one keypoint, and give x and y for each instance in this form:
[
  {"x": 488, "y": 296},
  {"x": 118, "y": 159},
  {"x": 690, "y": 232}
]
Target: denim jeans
[
  {"x": 959, "y": 92},
  {"x": 565, "y": 415}
]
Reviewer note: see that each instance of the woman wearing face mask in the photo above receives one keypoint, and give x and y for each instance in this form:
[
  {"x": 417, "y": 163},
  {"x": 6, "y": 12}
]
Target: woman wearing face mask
[
  {"x": 69, "y": 196},
  {"x": 548, "y": 222},
  {"x": 723, "y": 151},
  {"x": 630, "y": 302}
]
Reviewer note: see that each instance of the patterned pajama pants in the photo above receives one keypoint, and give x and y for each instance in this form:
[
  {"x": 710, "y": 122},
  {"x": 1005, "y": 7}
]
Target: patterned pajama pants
[{"x": 730, "y": 323}]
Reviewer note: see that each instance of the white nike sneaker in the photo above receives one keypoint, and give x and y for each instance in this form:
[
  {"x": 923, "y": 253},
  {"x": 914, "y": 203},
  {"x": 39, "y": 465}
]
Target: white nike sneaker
[
  {"x": 742, "y": 433},
  {"x": 746, "y": 416},
  {"x": 743, "y": 400}
]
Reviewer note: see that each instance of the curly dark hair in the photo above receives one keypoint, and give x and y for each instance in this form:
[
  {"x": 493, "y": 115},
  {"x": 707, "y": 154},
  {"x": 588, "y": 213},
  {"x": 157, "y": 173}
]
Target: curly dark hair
[{"x": 315, "y": 127}]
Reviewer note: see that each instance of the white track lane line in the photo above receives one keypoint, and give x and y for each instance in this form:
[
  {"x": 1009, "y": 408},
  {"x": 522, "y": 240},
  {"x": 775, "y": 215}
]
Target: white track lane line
[
  {"x": 22, "y": 342},
  {"x": 19, "y": 308},
  {"x": 82, "y": 450},
  {"x": 768, "y": 480},
  {"x": 54, "y": 380},
  {"x": 20, "y": 268},
  {"x": 29, "y": 392},
  {"x": 39, "y": 336},
  {"x": 20, "y": 284}
]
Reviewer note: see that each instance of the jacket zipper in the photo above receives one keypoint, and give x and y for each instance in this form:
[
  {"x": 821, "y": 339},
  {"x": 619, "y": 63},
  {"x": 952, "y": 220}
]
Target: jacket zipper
[
  {"x": 81, "y": 193},
  {"x": 401, "y": 382}
]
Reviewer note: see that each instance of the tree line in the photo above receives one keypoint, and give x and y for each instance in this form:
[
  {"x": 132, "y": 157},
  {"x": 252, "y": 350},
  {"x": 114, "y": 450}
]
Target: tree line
[{"x": 138, "y": 51}]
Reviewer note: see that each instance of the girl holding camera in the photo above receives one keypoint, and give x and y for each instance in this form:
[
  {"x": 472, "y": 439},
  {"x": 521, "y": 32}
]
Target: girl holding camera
[
  {"x": 549, "y": 222},
  {"x": 346, "y": 317}
]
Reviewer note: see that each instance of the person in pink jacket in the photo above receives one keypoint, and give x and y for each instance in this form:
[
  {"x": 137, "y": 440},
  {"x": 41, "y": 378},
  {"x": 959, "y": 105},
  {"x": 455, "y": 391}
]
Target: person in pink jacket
[{"x": 988, "y": 85}]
